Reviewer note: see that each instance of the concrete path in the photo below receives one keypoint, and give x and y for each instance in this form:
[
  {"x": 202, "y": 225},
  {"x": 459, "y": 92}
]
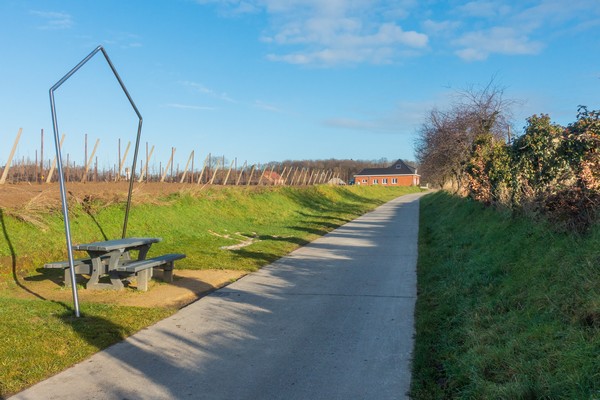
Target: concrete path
[{"x": 333, "y": 320}]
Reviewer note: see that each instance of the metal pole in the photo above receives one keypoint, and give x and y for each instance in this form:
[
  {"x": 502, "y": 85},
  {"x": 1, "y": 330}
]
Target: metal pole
[{"x": 63, "y": 195}]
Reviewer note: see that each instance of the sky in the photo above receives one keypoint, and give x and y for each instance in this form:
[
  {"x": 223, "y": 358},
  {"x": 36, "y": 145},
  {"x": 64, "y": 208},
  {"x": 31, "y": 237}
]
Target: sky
[{"x": 275, "y": 80}]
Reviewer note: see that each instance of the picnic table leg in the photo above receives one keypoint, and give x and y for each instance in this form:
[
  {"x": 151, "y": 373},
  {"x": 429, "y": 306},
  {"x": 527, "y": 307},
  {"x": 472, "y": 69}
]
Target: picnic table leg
[
  {"x": 99, "y": 269},
  {"x": 143, "y": 277},
  {"x": 167, "y": 272}
]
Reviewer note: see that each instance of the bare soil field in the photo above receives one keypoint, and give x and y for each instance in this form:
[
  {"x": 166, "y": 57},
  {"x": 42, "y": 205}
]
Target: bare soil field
[{"x": 15, "y": 196}]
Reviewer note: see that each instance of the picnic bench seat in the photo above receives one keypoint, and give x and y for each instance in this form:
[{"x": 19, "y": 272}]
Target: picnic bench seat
[
  {"x": 143, "y": 268},
  {"x": 81, "y": 265}
]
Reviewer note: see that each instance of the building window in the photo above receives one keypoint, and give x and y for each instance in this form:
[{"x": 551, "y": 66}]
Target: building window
[
  {"x": 364, "y": 181},
  {"x": 384, "y": 181},
  {"x": 375, "y": 181},
  {"x": 394, "y": 181}
]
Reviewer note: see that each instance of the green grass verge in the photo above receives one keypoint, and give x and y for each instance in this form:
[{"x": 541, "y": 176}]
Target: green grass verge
[
  {"x": 506, "y": 308},
  {"x": 39, "y": 338}
]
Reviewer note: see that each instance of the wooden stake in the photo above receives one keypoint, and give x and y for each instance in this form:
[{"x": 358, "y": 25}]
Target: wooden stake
[
  {"x": 228, "y": 173},
  {"x": 202, "y": 172},
  {"x": 10, "y": 157},
  {"x": 87, "y": 167},
  {"x": 145, "y": 170},
  {"x": 214, "y": 173},
  {"x": 42, "y": 158},
  {"x": 122, "y": 161},
  {"x": 51, "y": 172},
  {"x": 261, "y": 175},
  {"x": 168, "y": 164},
  {"x": 282, "y": 181},
  {"x": 186, "y": 166},
  {"x": 241, "y": 173},
  {"x": 251, "y": 173}
]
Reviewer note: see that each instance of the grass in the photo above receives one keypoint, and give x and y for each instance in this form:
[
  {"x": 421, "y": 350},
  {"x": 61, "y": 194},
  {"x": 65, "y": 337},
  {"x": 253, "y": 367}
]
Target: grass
[
  {"x": 39, "y": 338},
  {"x": 507, "y": 309}
]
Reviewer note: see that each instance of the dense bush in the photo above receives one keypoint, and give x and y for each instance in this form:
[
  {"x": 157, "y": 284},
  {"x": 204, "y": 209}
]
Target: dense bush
[{"x": 550, "y": 169}]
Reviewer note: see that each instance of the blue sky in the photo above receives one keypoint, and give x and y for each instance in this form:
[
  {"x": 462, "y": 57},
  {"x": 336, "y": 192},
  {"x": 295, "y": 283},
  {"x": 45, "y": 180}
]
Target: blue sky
[{"x": 269, "y": 80}]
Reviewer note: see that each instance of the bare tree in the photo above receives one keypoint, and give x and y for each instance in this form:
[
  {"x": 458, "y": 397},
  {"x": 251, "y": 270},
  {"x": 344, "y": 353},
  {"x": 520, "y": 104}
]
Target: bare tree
[{"x": 445, "y": 139}]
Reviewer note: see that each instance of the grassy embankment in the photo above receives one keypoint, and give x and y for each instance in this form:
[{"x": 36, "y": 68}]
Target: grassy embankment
[
  {"x": 39, "y": 338},
  {"x": 507, "y": 309}
]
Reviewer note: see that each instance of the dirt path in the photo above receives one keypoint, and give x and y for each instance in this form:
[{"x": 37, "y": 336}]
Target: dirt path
[{"x": 187, "y": 286}]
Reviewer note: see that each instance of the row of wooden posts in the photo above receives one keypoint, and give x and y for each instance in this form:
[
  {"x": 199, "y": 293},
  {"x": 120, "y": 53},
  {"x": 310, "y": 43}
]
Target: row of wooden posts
[{"x": 211, "y": 173}]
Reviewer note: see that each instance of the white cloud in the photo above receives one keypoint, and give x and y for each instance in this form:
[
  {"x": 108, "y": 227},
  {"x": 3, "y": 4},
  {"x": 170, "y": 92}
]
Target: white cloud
[
  {"x": 478, "y": 45},
  {"x": 334, "y": 32},
  {"x": 54, "y": 20}
]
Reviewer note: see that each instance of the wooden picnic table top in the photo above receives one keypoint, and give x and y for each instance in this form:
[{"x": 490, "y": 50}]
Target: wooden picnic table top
[{"x": 116, "y": 244}]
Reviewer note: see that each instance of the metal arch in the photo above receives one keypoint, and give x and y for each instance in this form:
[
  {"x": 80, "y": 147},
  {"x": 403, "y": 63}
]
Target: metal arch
[{"x": 61, "y": 179}]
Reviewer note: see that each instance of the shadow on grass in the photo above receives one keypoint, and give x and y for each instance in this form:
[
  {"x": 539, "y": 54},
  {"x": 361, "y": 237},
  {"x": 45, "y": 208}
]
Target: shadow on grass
[
  {"x": 99, "y": 332},
  {"x": 313, "y": 231},
  {"x": 13, "y": 256},
  {"x": 292, "y": 239},
  {"x": 261, "y": 258}
]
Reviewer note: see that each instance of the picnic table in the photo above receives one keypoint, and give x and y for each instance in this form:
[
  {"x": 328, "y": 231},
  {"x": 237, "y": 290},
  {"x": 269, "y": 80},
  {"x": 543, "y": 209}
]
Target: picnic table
[{"x": 117, "y": 260}]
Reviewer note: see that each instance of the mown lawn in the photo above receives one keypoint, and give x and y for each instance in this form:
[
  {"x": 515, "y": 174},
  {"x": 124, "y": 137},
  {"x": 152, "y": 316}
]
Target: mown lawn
[
  {"x": 40, "y": 338},
  {"x": 506, "y": 308}
]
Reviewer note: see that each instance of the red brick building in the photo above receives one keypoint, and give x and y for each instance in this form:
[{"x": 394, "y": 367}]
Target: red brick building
[{"x": 398, "y": 174}]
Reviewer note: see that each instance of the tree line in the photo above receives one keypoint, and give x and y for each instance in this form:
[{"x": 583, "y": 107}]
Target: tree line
[{"x": 549, "y": 169}]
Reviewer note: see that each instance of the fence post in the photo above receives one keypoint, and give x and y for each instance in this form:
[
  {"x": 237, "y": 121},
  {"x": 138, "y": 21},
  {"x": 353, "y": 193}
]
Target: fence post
[
  {"x": 241, "y": 173},
  {"x": 89, "y": 161},
  {"x": 228, "y": 173},
  {"x": 186, "y": 166},
  {"x": 202, "y": 171},
  {"x": 122, "y": 161},
  {"x": 145, "y": 170},
  {"x": 214, "y": 173},
  {"x": 49, "y": 179},
  {"x": 10, "y": 157},
  {"x": 168, "y": 164},
  {"x": 251, "y": 173}
]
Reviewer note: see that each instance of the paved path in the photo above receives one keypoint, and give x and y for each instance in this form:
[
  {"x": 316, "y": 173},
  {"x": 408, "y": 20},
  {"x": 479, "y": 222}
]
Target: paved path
[{"x": 333, "y": 320}]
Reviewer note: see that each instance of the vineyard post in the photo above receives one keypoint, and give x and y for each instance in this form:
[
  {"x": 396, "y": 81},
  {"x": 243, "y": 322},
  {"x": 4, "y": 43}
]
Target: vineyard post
[
  {"x": 192, "y": 173},
  {"x": 281, "y": 181},
  {"x": 41, "y": 177},
  {"x": 261, "y": 175},
  {"x": 235, "y": 169},
  {"x": 202, "y": 172},
  {"x": 173, "y": 162},
  {"x": 228, "y": 173},
  {"x": 311, "y": 177},
  {"x": 122, "y": 161},
  {"x": 89, "y": 161},
  {"x": 10, "y": 157},
  {"x": 51, "y": 172},
  {"x": 241, "y": 173},
  {"x": 85, "y": 157},
  {"x": 145, "y": 170},
  {"x": 251, "y": 173},
  {"x": 186, "y": 166},
  {"x": 168, "y": 164},
  {"x": 271, "y": 174},
  {"x": 294, "y": 176},
  {"x": 214, "y": 172}
]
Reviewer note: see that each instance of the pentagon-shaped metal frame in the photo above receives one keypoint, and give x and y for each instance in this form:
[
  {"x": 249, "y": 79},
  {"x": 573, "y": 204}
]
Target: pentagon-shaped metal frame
[{"x": 61, "y": 179}]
